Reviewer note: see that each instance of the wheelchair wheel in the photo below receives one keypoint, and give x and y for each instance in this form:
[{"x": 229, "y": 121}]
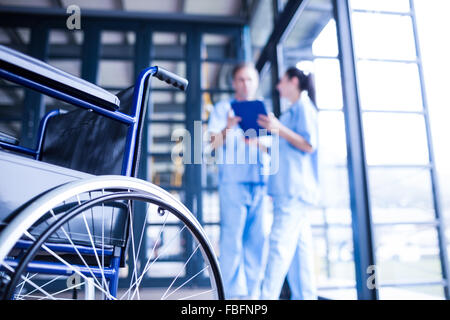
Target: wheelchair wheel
[{"x": 93, "y": 234}]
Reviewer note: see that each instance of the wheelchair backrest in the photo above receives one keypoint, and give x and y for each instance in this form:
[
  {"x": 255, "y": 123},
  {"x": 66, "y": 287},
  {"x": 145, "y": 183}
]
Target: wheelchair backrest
[{"x": 86, "y": 141}]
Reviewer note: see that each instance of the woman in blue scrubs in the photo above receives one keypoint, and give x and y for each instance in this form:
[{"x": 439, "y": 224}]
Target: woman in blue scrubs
[{"x": 294, "y": 190}]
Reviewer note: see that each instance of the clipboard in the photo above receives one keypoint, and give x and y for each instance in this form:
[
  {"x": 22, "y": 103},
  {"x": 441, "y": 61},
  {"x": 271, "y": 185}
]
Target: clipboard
[{"x": 248, "y": 111}]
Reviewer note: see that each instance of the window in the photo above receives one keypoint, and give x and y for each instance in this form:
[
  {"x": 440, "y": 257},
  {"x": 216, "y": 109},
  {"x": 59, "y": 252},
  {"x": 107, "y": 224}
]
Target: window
[{"x": 395, "y": 124}]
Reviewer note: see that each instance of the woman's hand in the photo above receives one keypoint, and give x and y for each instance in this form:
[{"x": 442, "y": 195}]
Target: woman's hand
[
  {"x": 232, "y": 121},
  {"x": 219, "y": 139},
  {"x": 270, "y": 122},
  {"x": 274, "y": 125}
]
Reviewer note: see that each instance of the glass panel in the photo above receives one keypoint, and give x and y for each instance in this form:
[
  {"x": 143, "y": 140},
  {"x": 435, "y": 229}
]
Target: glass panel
[
  {"x": 117, "y": 45},
  {"x": 211, "y": 212},
  {"x": 389, "y": 86},
  {"x": 164, "y": 171},
  {"x": 4, "y": 38},
  {"x": 116, "y": 67},
  {"x": 152, "y": 6},
  {"x": 52, "y": 104},
  {"x": 407, "y": 253},
  {"x": 165, "y": 137},
  {"x": 65, "y": 37},
  {"x": 11, "y": 108},
  {"x": 332, "y": 139},
  {"x": 210, "y": 100},
  {"x": 112, "y": 37},
  {"x": 164, "y": 242},
  {"x": 333, "y": 162},
  {"x": 327, "y": 77},
  {"x": 166, "y": 270},
  {"x": 334, "y": 261},
  {"x": 71, "y": 66},
  {"x": 261, "y": 27},
  {"x": 213, "y": 234},
  {"x": 169, "y": 45},
  {"x": 401, "y": 195},
  {"x": 381, "y": 5},
  {"x": 265, "y": 89},
  {"x": 167, "y": 105},
  {"x": 395, "y": 139},
  {"x": 116, "y": 74},
  {"x": 431, "y": 22},
  {"x": 314, "y": 19},
  {"x": 64, "y": 50},
  {"x": 217, "y": 75},
  {"x": 217, "y": 46},
  {"x": 430, "y": 292},
  {"x": 15, "y": 38},
  {"x": 326, "y": 42},
  {"x": 208, "y": 7},
  {"x": 383, "y": 36}
]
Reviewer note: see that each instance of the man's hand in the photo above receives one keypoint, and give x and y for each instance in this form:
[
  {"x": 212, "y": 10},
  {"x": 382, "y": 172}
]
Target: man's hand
[
  {"x": 232, "y": 121},
  {"x": 217, "y": 140}
]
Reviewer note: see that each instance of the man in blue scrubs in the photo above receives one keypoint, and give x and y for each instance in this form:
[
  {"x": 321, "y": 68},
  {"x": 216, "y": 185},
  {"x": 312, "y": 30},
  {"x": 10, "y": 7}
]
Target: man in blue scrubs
[{"x": 241, "y": 186}]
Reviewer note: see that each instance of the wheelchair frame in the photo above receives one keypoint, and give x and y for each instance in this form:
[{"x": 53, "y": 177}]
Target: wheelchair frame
[{"x": 125, "y": 188}]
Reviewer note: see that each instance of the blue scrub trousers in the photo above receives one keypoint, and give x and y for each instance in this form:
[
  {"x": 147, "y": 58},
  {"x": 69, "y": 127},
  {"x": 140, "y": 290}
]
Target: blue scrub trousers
[
  {"x": 290, "y": 251},
  {"x": 243, "y": 238}
]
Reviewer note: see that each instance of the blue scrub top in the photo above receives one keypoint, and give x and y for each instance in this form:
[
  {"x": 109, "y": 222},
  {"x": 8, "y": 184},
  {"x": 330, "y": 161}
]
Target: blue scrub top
[
  {"x": 237, "y": 162},
  {"x": 297, "y": 174}
]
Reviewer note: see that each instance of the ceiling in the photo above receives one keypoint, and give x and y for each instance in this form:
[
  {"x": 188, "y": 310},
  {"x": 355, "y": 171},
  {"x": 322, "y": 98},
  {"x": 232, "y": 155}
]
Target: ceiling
[{"x": 203, "y": 7}]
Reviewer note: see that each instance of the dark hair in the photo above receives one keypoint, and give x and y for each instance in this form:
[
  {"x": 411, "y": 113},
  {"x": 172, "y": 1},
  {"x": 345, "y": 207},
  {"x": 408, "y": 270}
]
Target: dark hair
[
  {"x": 305, "y": 82},
  {"x": 240, "y": 66}
]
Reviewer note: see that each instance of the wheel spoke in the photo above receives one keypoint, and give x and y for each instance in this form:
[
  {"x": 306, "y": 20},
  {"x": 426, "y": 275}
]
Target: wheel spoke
[
  {"x": 197, "y": 294},
  {"x": 42, "y": 286},
  {"x": 140, "y": 242},
  {"x": 133, "y": 244},
  {"x": 23, "y": 283},
  {"x": 30, "y": 282},
  {"x": 187, "y": 281},
  {"x": 149, "y": 266},
  {"x": 69, "y": 288},
  {"x": 181, "y": 270},
  {"x": 78, "y": 252},
  {"x": 105, "y": 283},
  {"x": 70, "y": 266}
]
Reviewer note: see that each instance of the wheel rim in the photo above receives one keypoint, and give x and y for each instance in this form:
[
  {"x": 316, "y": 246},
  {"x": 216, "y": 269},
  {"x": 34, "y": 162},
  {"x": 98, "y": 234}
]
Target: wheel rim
[{"x": 140, "y": 268}]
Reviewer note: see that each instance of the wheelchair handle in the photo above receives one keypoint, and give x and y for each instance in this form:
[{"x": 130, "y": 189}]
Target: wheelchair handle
[{"x": 171, "y": 78}]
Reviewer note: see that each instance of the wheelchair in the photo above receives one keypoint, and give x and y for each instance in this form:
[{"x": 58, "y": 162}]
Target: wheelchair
[{"x": 73, "y": 213}]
